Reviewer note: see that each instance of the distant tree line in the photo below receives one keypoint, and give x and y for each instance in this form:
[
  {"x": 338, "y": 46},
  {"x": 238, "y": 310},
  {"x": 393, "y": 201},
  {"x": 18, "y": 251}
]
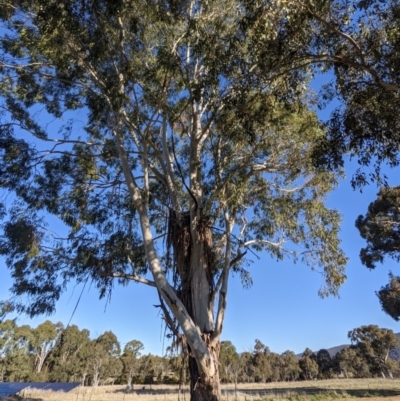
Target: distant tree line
[
  {"x": 367, "y": 356},
  {"x": 51, "y": 352}
]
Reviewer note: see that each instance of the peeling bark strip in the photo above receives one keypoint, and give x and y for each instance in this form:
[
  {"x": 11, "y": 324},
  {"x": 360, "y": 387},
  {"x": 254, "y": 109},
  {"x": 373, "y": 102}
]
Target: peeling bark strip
[
  {"x": 180, "y": 240},
  {"x": 172, "y": 301}
]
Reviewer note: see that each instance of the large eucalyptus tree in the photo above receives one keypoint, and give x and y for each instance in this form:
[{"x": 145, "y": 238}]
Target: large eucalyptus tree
[{"x": 173, "y": 139}]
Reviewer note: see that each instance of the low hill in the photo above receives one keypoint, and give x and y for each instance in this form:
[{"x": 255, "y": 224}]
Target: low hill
[{"x": 334, "y": 350}]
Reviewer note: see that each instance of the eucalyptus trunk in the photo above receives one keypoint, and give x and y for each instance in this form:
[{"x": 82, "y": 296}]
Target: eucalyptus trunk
[
  {"x": 203, "y": 387},
  {"x": 193, "y": 264}
]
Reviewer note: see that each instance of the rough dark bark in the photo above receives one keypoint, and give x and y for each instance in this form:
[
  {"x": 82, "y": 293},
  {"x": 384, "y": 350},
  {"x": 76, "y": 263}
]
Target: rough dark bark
[
  {"x": 203, "y": 387},
  {"x": 180, "y": 242}
]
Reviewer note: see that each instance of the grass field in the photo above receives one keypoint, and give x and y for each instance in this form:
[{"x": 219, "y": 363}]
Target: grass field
[{"x": 324, "y": 390}]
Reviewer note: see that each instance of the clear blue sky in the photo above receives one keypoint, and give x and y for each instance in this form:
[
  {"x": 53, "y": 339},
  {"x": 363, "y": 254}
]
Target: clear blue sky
[{"x": 282, "y": 309}]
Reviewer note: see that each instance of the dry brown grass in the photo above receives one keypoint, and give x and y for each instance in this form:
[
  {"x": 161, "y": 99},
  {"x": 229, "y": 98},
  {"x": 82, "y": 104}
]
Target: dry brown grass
[
  {"x": 338, "y": 384},
  {"x": 324, "y": 390}
]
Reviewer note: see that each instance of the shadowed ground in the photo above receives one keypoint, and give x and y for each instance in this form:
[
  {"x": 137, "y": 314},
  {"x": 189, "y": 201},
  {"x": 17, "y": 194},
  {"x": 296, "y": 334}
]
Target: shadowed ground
[{"x": 324, "y": 390}]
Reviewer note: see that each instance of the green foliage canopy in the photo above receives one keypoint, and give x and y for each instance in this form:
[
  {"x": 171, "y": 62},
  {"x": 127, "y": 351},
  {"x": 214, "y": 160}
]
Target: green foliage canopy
[
  {"x": 389, "y": 297},
  {"x": 380, "y": 227},
  {"x": 185, "y": 121},
  {"x": 255, "y": 156}
]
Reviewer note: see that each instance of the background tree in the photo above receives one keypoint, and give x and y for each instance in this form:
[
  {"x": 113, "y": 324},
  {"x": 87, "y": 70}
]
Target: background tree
[
  {"x": 247, "y": 375},
  {"x": 325, "y": 364},
  {"x": 132, "y": 352},
  {"x": 66, "y": 357},
  {"x": 114, "y": 367},
  {"x": 198, "y": 115},
  {"x": 85, "y": 363},
  {"x": 308, "y": 366},
  {"x": 15, "y": 362},
  {"x": 178, "y": 367},
  {"x": 41, "y": 342},
  {"x": 146, "y": 368},
  {"x": 352, "y": 363},
  {"x": 231, "y": 363},
  {"x": 6, "y": 339},
  {"x": 389, "y": 297},
  {"x": 277, "y": 367},
  {"x": 375, "y": 344},
  {"x": 292, "y": 369},
  {"x": 105, "y": 362},
  {"x": 98, "y": 358},
  {"x": 110, "y": 343},
  {"x": 228, "y": 358},
  {"x": 261, "y": 363},
  {"x": 380, "y": 227},
  {"x": 20, "y": 362},
  {"x": 178, "y": 370},
  {"x": 160, "y": 368}
]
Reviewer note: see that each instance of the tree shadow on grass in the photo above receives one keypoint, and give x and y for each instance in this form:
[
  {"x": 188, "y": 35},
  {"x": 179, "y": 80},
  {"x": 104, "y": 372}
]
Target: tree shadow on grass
[
  {"x": 262, "y": 392},
  {"x": 147, "y": 390},
  {"x": 315, "y": 391},
  {"x": 16, "y": 397}
]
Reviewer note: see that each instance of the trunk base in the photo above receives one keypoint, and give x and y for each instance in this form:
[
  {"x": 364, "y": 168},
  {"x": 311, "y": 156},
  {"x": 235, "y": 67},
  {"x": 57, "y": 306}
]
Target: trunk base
[
  {"x": 203, "y": 389},
  {"x": 205, "y": 393}
]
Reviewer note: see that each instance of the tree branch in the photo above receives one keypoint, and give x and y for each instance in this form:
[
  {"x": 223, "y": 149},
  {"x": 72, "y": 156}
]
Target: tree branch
[
  {"x": 229, "y": 222},
  {"x": 133, "y": 277}
]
